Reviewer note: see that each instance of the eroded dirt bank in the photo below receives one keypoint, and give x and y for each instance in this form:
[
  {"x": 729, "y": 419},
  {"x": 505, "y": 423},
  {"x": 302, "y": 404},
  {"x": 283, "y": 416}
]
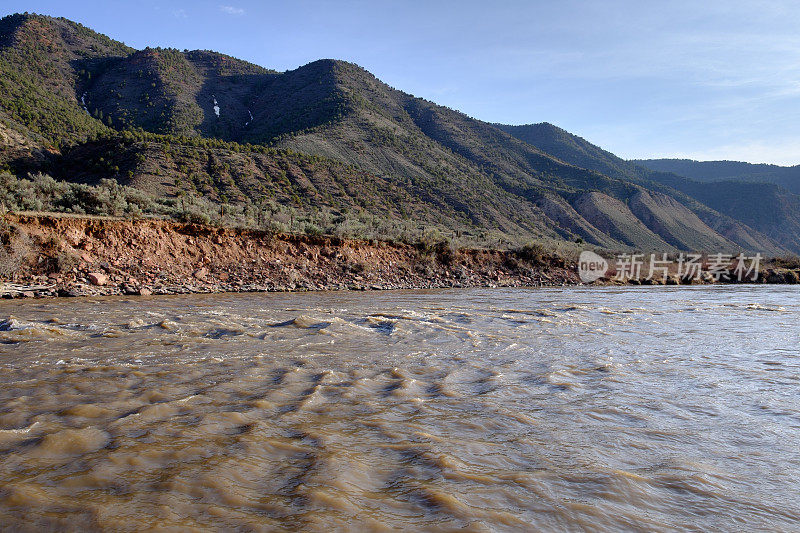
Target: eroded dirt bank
[{"x": 71, "y": 256}]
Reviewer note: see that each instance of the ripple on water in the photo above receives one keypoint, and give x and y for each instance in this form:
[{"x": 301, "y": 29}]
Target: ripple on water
[{"x": 501, "y": 410}]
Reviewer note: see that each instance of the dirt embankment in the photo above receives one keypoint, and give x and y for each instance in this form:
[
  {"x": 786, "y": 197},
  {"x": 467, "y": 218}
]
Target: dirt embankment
[{"x": 49, "y": 255}]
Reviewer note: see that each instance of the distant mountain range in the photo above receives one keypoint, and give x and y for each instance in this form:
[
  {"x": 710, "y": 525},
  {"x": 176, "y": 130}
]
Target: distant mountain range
[
  {"x": 83, "y": 107},
  {"x": 786, "y": 177}
]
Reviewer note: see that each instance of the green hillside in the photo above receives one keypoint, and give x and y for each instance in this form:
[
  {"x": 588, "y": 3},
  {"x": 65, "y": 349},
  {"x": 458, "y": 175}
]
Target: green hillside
[{"x": 327, "y": 137}]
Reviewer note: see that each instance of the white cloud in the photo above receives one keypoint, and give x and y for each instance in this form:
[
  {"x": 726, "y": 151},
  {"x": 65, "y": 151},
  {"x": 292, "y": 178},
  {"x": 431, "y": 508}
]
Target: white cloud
[
  {"x": 179, "y": 13},
  {"x": 231, "y": 10}
]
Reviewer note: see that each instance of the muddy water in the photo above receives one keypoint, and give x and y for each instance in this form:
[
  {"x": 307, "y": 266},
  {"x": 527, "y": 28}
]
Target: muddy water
[{"x": 482, "y": 410}]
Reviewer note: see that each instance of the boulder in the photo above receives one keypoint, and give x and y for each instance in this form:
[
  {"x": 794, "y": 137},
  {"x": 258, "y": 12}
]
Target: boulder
[
  {"x": 129, "y": 289},
  {"x": 97, "y": 278},
  {"x": 69, "y": 293}
]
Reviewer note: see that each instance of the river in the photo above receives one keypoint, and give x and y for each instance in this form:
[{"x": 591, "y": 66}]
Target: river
[{"x": 599, "y": 409}]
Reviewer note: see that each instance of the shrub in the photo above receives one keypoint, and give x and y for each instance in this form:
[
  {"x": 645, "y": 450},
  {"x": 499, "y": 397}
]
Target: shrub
[
  {"x": 312, "y": 229},
  {"x": 16, "y": 249},
  {"x": 445, "y": 252},
  {"x": 532, "y": 252},
  {"x": 193, "y": 215},
  {"x": 65, "y": 261}
]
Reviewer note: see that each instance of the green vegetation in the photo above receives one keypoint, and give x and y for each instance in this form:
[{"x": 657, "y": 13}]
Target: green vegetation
[
  {"x": 325, "y": 148},
  {"x": 37, "y": 77},
  {"x": 42, "y": 193}
]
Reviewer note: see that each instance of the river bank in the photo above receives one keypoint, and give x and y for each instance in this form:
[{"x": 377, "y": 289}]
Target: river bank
[
  {"x": 82, "y": 256},
  {"x": 51, "y": 255}
]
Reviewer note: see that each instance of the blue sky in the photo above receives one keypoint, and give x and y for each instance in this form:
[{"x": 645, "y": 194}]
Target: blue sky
[{"x": 699, "y": 79}]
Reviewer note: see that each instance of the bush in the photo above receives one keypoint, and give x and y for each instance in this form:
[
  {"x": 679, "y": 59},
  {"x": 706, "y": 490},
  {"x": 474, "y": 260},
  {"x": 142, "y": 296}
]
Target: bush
[
  {"x": 792, "y": 262},
  {"x": 41, "y": 192},
  {"x": 312, "y": 229},
  {"x": 65, "y": 261},
  {"x": 16, "y": 249},
  {"x": 445, "y": 252},
  {"x": 532, "y": 252},
  {"x": 194, "y": 215}
]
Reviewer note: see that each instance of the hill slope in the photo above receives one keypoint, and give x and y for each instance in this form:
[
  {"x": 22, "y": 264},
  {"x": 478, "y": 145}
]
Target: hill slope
[
  {"x": 750, "y": 216},
  {"x": 327, "y": 135}
]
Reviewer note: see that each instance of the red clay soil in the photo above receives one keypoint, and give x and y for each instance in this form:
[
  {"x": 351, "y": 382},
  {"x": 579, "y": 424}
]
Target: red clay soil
[{"x": 72, "y": 256}]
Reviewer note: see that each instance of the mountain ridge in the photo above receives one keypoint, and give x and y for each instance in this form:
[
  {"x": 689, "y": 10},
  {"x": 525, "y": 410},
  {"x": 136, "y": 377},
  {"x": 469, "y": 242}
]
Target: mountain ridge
[
  {"x": 787, "y": 177},
  {"x": 202, "y": 123}
]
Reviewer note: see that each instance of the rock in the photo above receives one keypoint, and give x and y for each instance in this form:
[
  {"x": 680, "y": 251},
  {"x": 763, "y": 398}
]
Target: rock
[
  {"x": 96, "y": 278},
  {"x": 201, "y": 273},
  {"x": 28, "y": 294},
  {"x": 144, "y": 291},
  {"x": 129, "y": 289},
  {"x": 68, "y": 293}
]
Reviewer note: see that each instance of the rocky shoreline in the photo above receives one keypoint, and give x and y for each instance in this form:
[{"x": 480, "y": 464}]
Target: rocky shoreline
[
  {"x": 80, "y": 256},
  {"x": 66, "y": 256}
]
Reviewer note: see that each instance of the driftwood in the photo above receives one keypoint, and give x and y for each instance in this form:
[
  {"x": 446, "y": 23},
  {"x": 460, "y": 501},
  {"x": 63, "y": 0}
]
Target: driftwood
[{"x": 15, "y": 288}]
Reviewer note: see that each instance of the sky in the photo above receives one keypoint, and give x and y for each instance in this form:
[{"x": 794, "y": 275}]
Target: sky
[{"x": 697, "y": 79}]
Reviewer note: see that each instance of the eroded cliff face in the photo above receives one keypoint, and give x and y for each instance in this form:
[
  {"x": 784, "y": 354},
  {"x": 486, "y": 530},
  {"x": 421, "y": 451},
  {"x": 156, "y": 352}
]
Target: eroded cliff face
[{"x": 61, "y": 255}]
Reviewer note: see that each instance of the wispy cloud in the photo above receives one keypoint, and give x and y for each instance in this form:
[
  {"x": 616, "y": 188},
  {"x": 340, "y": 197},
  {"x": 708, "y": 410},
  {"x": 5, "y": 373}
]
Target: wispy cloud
[
  {"x": 179, "y": 13},
  {"x": 231, "y": 10}
]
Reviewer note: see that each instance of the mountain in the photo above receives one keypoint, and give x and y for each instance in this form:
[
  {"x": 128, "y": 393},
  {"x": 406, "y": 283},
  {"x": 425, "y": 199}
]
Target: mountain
[
  {"x": 326, "y": 136},
  {"x": 786, "y": 177},
  {"x": 750, "y": 215},
  {"x": 573, "y": 149},
  {"x": 763, "y": 205}
]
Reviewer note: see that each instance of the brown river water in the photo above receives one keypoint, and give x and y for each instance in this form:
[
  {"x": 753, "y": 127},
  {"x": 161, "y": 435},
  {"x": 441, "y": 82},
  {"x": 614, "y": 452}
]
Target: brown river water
[{"x": 599, "y": 409}]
